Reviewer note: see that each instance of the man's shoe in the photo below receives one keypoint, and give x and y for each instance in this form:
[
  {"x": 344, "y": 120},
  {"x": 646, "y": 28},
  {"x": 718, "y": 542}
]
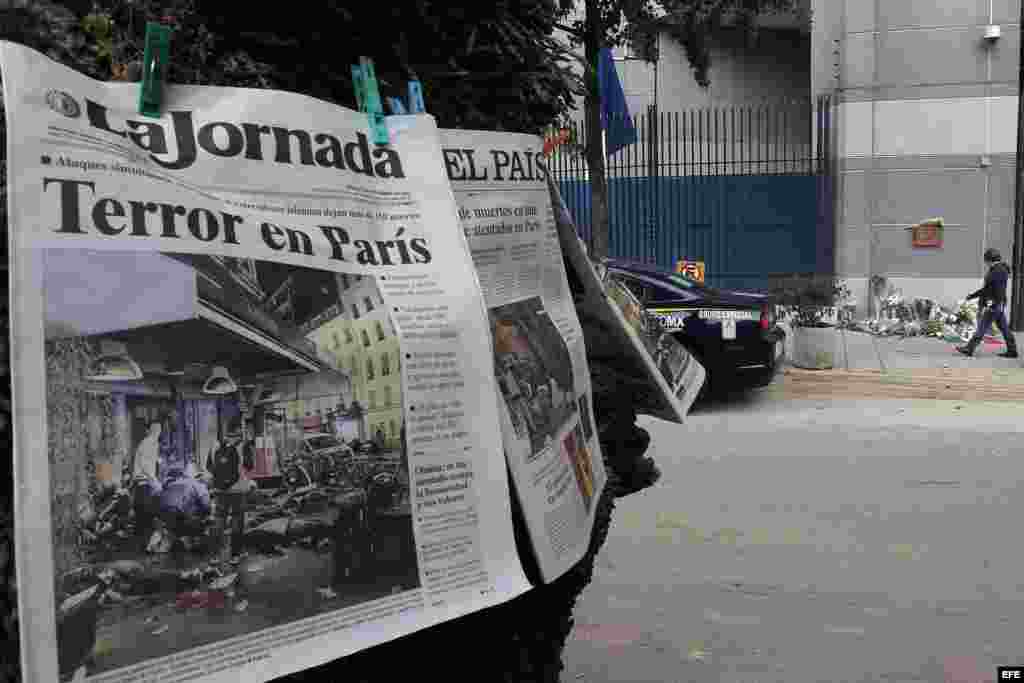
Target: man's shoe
[
  {"x": 1009, "y": 354},
  {"x": 965, "y": 350}
]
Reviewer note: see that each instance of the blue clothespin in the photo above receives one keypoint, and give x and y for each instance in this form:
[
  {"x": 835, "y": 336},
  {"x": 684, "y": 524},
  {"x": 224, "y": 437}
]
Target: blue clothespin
[
  {"x": 369, "y": 95},
  {"x": 396, "y": 105},
  {"x": 154, "y": 66},
  {"x": 416, "y": 105}
]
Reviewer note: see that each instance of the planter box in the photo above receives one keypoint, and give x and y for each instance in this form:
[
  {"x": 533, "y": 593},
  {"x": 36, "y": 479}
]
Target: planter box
[{"x": 816, "y": 348}]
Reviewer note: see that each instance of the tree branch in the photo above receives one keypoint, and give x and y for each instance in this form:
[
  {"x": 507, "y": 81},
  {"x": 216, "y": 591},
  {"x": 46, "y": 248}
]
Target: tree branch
[{"x": 571, "y": 31}]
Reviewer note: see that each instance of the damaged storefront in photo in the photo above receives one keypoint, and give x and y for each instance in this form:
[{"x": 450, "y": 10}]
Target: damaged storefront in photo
[{"x": 226, "y": 446}]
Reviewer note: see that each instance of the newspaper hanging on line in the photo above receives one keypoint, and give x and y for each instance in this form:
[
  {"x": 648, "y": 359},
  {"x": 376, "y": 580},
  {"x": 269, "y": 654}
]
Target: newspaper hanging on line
[
  {"x": 630, "y": 346},
  {"x": 540, "y": 360},
  {"x": 255, "y": 411}
]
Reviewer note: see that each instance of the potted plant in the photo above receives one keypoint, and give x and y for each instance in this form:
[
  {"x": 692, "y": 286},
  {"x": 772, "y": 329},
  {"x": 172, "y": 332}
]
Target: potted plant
[{"x": 810, "y": 303}]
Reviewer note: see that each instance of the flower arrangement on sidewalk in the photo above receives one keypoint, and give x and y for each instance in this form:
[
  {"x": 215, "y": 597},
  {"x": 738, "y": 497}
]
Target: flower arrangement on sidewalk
[{"x": 809, "y": 300}]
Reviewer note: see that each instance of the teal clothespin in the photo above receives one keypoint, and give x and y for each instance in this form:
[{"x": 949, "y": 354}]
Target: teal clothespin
[
  {"x": 396, "y": 105},
  {"x": 154, "y": 66},
  {"x": 416, "y": 105},
  {"x": 359, "y": 87},
  {"x": 372, "y": 103}
]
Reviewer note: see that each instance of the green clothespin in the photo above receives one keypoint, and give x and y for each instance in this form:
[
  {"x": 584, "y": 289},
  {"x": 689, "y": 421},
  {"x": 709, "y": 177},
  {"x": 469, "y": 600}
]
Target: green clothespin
[
  {"x": 359, "y": 87},
  {"x": 372, "y": 103},
  {"x": 154, "y": 66}
]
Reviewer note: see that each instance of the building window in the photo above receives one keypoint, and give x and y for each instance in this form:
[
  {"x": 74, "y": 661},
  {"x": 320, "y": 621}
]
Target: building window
[
  {"x": 366, "y": 338},
  {"x": 385, "y": 364},
  {"x": 380, "y": 297},
  {"x": 368, "y": 302},
  {"x": 394, "y": 428},
  {"x": 359, "y": 278},
  {"x": 369, "y": 368},
  {"x": 348, "y": 336},
  {"x": 355, "y": 366},
  {"x": 387, "y": 396},
  {"x": 373, "y": 399},
  {"x": 380, "y": 331},
  {"x": 344, "y": 281},
  {"x": 337, "y": 340},
  {"x": 355, "y": 311}
]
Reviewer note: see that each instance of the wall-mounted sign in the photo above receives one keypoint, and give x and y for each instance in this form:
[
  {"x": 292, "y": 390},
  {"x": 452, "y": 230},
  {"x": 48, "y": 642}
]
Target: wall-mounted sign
[
  {"x": 691, "y": 269},
  {"x": 927, "y": 233}
]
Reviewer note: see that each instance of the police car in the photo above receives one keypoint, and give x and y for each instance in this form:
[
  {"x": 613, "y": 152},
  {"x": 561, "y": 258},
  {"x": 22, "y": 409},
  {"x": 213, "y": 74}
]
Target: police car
[{"x": 733, "y": 334}]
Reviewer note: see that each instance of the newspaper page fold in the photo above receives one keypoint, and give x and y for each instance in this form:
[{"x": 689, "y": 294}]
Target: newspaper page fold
[{"x": 627, "y": 341}]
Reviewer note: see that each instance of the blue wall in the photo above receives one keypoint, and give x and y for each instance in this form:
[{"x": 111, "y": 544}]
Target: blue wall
[{"x": 743, "y": 227}]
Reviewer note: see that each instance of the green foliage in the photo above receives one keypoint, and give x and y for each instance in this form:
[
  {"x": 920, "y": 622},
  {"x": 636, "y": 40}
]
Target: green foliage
[
  {"x": 808, "y": 298},
  {"x": 689, "y": 22},
  {"x": 101, "y": 29},
  {"x": 490, "y": 66}
]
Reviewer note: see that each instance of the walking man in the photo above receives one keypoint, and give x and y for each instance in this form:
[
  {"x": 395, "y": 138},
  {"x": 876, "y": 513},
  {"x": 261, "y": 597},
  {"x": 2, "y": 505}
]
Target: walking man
[{"x": 992, "y": 306}]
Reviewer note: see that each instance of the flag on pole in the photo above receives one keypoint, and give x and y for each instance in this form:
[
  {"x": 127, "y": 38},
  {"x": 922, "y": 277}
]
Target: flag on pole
[{"x": 615, "y": 118}]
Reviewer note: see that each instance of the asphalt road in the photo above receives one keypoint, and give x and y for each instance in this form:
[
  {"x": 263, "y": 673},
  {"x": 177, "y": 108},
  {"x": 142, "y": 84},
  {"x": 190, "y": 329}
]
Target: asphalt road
[{"x": 798, "y": 540}]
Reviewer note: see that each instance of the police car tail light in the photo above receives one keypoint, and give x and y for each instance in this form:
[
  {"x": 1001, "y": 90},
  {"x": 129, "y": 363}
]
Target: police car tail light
[{"x": 765, "y": 318}]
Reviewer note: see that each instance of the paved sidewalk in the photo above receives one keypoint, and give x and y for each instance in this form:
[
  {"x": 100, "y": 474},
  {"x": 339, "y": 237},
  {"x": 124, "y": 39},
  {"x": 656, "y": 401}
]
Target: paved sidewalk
[
  {"x": 863, "y": 351},
  {"x": 872, "y": 367}
]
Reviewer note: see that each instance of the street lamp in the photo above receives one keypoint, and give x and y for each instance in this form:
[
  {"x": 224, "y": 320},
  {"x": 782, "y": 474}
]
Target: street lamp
[
  {"x": 113, "y": 364},
  {"x": 219, "y": 383}
]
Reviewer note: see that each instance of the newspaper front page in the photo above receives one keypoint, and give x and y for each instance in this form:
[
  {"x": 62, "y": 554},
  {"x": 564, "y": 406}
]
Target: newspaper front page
[
  {"x": 540, "y": 361},
  {"x": 257, "y": 421}
]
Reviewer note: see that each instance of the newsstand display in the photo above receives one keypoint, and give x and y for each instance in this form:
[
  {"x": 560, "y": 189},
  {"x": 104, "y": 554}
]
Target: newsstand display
[{"x": 221, "y": 428}]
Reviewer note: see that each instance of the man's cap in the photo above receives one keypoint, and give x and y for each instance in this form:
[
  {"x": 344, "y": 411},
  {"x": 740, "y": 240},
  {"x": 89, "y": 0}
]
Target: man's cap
[{"x": 993, "y": 255}]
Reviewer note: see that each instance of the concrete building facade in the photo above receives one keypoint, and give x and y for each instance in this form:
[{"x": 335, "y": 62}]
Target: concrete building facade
[
  {"x": 771, "y": 70},
  {"x": 926, "y": 126}
]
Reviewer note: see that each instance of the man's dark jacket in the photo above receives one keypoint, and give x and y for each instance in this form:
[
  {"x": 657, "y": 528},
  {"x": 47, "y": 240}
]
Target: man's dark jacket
[{"x": 994, "y": 289}]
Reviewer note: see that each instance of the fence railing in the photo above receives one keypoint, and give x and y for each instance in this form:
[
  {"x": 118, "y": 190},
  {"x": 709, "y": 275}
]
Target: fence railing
[{"x": 776, "y": 139}]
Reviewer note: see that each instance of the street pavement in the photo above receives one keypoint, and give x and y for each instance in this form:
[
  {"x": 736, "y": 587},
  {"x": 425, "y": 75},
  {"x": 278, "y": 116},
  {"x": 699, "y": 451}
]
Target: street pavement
[{"x": 824, "y": 538}]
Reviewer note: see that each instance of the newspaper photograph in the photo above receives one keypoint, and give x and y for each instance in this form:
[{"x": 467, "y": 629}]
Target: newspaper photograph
[
  {"x": 540, "y": 361},
  {"x": 677, "y": 366},
  {"x": 254, "y": 350},
  {"x": 642, "y": 356}
]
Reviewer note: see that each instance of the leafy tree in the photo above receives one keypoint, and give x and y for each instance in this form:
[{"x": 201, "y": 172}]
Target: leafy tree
[
  {"x": 490, "y": 66},
  {"x": 609, "y": 23}
]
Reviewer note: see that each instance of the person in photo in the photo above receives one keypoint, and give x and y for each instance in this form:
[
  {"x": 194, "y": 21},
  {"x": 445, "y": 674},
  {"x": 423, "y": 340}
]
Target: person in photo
[
  {"x": 147, "y": 455},
  {"x": 230, "y": 490},
  {"x": 184, "y": 505},
  {"x": 992, "y": 306},
  {"x": 146, "y": 485}
]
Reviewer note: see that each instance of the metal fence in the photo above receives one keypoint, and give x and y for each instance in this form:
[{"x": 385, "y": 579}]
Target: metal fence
[{"x": 719, "y": 184}]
